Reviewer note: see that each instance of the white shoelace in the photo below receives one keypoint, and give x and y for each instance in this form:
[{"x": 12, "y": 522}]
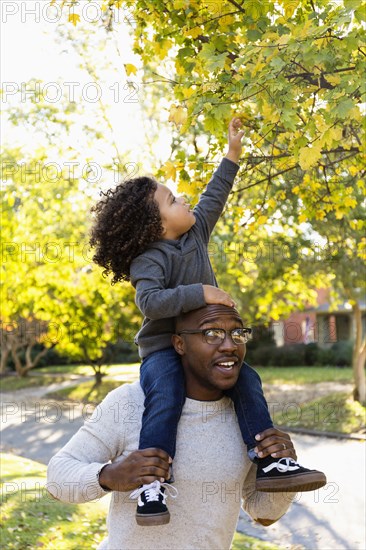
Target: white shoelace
[
  {"x": 153, "y": 490},
  {"x": 283, "y": 465}
]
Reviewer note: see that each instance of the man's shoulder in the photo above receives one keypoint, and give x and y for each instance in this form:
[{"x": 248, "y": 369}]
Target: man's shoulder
[{"x": 124, "y": 394}]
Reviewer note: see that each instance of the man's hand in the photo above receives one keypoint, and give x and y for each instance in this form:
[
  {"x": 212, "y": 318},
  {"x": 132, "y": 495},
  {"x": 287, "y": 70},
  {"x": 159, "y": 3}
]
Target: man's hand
[
  {"x": 139, "y": 468},
  {"x": 275, "y": 443},
  {"x": 214, "y": 295},
  {"x": 235, "y": 136}
]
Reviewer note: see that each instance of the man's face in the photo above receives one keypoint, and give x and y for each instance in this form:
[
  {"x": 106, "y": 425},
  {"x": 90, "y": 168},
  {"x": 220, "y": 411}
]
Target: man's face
[{"x": 209, "y": 368}]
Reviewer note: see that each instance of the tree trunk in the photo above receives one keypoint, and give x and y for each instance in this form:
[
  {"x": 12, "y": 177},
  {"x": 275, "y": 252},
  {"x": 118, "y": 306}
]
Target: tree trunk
[
  {"x": 17, "y": 362},
  {"x": 359, "y": 358},
  {"x": 21, "y": 370},
  {"x": 5, "y": 352},
  {"x": 98, "y": 375}
]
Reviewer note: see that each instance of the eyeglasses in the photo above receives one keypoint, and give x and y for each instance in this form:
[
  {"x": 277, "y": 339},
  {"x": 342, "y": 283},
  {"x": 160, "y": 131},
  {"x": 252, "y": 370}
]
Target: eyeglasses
[{"x": 216, "y": 336}]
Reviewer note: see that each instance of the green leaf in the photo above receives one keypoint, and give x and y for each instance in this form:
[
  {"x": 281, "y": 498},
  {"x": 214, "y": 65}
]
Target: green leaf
[{"x": 253, "y": 35}]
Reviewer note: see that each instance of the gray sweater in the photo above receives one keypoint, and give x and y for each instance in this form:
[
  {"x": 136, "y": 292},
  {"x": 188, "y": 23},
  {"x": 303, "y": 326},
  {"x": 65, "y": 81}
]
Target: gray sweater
[
  {"x": 169, "y": 275},
  {"x": 213, "y": 474}
]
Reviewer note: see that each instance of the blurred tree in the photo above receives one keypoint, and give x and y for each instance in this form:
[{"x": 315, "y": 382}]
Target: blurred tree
[{"x": 51, "y": 293}]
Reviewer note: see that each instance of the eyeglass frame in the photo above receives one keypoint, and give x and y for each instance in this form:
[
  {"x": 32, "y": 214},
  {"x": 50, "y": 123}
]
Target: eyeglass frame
[{"x": 248, "y": 332}]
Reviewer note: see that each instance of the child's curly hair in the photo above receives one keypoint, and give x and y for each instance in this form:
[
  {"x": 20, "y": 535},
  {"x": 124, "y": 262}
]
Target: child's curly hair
[{"x": 127, "y": 221}]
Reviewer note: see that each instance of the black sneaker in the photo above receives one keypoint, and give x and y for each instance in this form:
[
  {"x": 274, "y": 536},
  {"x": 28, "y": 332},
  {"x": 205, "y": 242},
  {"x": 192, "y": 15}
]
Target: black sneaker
[
  {"x": 284, "y": 475},
  {"x": 151, "y": 504}
]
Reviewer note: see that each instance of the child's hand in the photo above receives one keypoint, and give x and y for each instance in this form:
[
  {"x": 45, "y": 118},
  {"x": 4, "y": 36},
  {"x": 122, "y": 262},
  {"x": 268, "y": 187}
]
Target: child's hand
[
  {"x": 235, "y": 136},
  {"x": 214, "y": 295}
]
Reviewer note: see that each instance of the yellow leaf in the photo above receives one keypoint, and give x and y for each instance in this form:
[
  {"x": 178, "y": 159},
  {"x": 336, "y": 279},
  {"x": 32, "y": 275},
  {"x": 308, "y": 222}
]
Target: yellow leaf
[
  {"x": 193, "y": 33},
  {"x": 290, "y": 7},
  {"x": 309, "y": 156},
  {"x": 177, "y": 115},
  {"x": 303, "y": 218},
  {"x": 185, "y": 187},
  {"x": 162, "y": 48},
  {"x": 334, "y": 79},
  {"x": 353, "y": 170},
  {"x": 188, "y": 92},
  {"x": 320, "y": 214},
  {"x": 272, "y": 203},
  {"x": 74, "y": 18},
  {"x": 226, "y": 21},
  {"x": 296, "y": 190},
  {"x": 169, "y": 170},
  {"x": 262, "y": 220},
  {"x": 130, "y": 69},
  {"x": 349, "y": 201}
]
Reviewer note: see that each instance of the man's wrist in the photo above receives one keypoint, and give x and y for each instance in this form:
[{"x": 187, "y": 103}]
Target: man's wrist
[{"x": 102, "y": 477}]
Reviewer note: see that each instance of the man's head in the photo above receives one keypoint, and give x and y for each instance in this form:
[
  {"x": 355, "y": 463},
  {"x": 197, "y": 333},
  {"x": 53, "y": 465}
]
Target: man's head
[{"x": 211, "y": 364}]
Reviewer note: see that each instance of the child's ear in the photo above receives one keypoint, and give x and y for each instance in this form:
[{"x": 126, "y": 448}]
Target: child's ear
[{"x": 178, "y": 344}]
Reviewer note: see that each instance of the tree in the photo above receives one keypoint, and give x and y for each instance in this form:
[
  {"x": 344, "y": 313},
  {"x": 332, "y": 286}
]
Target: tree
[
  {"x": 293, "y": 70},
  {"x": 50, "y": 293}
]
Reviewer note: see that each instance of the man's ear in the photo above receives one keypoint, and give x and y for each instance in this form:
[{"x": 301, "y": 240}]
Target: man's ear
[{"x": 178, "y": 344}]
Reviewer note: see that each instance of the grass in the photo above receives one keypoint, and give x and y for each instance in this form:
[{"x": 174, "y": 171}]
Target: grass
[
  {"x": 336, "y": 412},
  {"x": 13, "y": 383},
  {"x": 87, "y": 369},
  {"x": 304, "y": 375},
  {"x": 242, "y": 541},
  {"x": 86, "y": 392},
  {"x": 31, "y": 518}
]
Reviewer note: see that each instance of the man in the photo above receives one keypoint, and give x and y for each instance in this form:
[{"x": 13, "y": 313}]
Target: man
[{"x": 213, "y": 475}]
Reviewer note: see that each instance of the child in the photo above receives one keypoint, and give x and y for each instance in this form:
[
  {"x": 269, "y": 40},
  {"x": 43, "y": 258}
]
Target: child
[{"x": 145, "y": 234}]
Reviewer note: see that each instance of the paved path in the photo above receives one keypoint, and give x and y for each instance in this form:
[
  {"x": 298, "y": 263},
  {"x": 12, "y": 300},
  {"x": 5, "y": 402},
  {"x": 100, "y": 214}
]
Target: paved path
[{"x": 331, "y": 518}]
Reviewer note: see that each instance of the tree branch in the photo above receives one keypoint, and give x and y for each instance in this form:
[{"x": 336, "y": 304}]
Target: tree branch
[
  {"x": 240, "y": 8},
  {"x": 266, "y": 179}
]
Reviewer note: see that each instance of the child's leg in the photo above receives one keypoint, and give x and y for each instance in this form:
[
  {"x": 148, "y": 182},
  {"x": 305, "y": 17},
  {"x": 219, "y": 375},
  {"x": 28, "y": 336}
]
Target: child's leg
[
  {"x": 162, "y": 380},
  {"x": 250, "y": 405},
  {"x": 273, "y": 475}
]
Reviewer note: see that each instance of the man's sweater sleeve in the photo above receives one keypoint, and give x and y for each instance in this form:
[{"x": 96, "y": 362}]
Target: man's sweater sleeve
[
  {"x": 213, "y": 199},
  {"x": 266, "y": 508},
  {"x": 72, "y": 472},
  {"x": 153, "y": 299}
]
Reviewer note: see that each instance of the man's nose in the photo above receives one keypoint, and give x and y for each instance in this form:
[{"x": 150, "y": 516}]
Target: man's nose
[{"x": 228, "y": 343}]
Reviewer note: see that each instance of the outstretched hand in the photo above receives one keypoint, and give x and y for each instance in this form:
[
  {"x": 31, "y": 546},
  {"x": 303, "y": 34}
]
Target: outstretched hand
[{"x": 235, "y": 136}]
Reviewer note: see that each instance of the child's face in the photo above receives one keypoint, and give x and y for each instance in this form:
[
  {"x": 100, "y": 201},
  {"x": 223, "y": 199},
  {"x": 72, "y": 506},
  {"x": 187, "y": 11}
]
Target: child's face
[{"x": 176, "y": 216}]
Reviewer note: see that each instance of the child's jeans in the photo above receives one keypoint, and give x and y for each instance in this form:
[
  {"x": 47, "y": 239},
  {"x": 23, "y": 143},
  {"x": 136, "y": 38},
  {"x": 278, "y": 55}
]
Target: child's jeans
[{"x": 162, "y": 380}]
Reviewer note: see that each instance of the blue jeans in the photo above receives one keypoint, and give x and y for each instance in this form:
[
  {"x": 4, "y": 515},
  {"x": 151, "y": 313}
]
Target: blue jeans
[{"x": 162, "y": 380}]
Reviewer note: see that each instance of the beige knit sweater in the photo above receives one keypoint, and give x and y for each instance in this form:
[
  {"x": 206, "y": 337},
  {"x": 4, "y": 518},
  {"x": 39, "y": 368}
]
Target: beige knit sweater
[{"x": 213, "y": 475}]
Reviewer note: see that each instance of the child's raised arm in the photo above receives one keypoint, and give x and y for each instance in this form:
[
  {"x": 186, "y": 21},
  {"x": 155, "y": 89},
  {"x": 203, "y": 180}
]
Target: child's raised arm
[
  {"x": 213, "y": 199},
  {"x": 235, "y": 136}
]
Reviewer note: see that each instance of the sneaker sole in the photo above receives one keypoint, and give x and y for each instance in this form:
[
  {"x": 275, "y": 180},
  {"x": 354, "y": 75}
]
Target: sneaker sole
[
  {"x": 153, "y": 519},
  {"x": 299, "y": 483}
]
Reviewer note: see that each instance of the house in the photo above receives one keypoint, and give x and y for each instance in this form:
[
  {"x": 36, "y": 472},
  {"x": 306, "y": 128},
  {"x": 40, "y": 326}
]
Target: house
[{"x": 323, "y": 324}]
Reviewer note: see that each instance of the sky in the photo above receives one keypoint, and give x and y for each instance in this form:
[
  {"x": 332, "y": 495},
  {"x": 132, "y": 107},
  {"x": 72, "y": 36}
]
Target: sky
[{"x": 31, "y": 48}]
